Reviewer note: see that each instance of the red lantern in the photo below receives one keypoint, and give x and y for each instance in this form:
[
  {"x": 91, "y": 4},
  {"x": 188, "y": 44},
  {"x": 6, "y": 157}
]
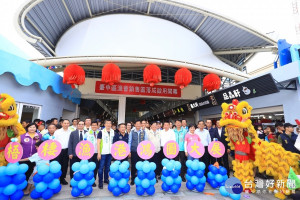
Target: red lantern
[
  {"x": 211, "y": 82},
  {"x": 183, "y": 77},
  {"x": 74, "y": 75},
  {"x": 134, "y": 110},
  {"x": 142, "y": 101},
  {"x": 111, "y": 74},
  {"x": 152, "y": 74}
]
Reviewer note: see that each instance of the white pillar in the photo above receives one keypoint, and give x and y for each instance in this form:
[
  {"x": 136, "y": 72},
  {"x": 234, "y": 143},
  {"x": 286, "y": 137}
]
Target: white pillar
[{"x": 122, "y": 110}]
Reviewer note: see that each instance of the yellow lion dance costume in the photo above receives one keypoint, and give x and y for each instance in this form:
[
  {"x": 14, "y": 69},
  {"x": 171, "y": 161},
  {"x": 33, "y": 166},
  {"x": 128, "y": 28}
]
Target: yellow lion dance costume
[
  {"x": 9, "y": 125},
  {"x": 252, "y": 152}
]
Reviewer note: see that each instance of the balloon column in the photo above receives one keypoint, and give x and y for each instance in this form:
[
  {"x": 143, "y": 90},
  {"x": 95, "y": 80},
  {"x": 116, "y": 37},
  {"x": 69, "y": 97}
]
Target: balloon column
[
  {"x": 83, "y": 178},
  {"x": 145, "y": 179},
  {"x": 119, "y": 173},
  {"x": 225, "y": 193},
  {"x": 13, "y": 181},
  {"x": 195, "y": 175},
  {"x": 46, "y": 180},
  {"x": 216, "y": 177},
  {"x": 170, "y": 176}
]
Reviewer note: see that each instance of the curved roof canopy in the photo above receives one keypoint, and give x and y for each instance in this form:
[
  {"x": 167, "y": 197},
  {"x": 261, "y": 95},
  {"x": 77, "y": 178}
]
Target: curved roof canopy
[{"x": 43, "y": 22}]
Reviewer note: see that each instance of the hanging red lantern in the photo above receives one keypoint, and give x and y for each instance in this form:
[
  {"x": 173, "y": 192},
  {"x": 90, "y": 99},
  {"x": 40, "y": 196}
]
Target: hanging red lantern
[
  {"x": 111, "y": 74},
  {"x": 74, "y": 75},
  {"x": 142, "y": 101},
  {"x": 211, "y": 82},
  {"x": 134, "y": 110},
  {"x": 152, "y": 74},
  {"x": 183, "y": 77}
]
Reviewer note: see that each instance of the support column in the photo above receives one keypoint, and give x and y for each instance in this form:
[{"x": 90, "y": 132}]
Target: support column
[{"x": 122, "y": 110}]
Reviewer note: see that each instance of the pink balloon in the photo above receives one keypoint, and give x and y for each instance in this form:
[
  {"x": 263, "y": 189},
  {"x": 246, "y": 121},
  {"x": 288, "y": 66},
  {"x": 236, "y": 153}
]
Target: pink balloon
[
  {"x": 84, "y": 150},
  {"x": 195, "y": 149},
  {"x": 49, "y": 149},
  {"x": 216, "y": 149},
  {"x": 120, "y": 150},
  {"x": 13, "y": 152},
  {"x": 146, "y": 150},
  {"x": 171, "y": 149}
]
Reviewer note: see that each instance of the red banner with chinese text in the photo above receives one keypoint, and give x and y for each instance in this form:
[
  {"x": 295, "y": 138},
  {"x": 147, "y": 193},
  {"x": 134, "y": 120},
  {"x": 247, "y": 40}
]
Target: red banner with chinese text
[{"x": 138, "y": 89}]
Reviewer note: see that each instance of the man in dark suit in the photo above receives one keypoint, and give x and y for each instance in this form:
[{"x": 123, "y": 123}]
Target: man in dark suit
[
  {"x": 220, "y": 135},
  {"x": 212, "y": 132},
  {"x": 75, "y": 137}
]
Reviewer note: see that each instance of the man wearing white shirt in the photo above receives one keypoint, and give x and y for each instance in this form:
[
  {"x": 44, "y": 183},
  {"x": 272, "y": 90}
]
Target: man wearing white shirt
[
  {"x": 62, "y": 136},
  {"x": 144, "y": 128},
  {"x": 205, "y": 140}
]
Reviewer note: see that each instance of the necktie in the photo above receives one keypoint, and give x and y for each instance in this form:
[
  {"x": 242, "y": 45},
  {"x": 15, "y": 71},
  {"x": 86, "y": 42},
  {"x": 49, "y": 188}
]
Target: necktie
[
  {"x": 94, "y": 133},
  {"x": 81, "y": 138}
]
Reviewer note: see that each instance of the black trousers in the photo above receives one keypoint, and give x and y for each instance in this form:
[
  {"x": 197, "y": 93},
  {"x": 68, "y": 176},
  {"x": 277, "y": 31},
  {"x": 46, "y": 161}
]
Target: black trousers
[
  {"x": 63, "y": 159},
  {"x": 95, "y": 160},
  {"x": 134, "y": 159},
  {"x": 161, "y": 156},
  {"x": 72, "y": 161},
  {"x": 156, "y": 160},
  {"x": 182, "y": 159},
  {"x": 31, "y": 166},
  {"x": 206, "y": 159},
  {"x": 223, "y": 161}
]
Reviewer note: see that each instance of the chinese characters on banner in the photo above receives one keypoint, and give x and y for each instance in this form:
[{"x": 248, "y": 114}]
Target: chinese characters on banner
[
  {"x": 13, "y": 152},
  {"x": 84, "y": 150},
  {"x": 49, "y": 149},
  {"x": 262, "y": 186},
  {"x": 120, "y": 150},
  {"x": 171, "y": 149},
  {"x": 195, "y": 149},
  {"x": 146, "y": 150},
  {"x": 216, "y": 149},
  {"x": 138, "y": 89}
]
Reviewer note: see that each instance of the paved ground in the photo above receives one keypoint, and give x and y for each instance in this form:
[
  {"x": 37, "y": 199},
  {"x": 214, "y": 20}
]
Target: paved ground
[{"x": 183, "y": 194}]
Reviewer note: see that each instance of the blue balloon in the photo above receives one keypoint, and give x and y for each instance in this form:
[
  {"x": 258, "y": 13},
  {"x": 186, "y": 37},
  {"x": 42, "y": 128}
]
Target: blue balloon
[
  {"x": 195, "y": 166},
  {"x": 88, "y": 190},
  {"x": 141, "y": 174},
  {"x": 210, "y": 175},
  {"x": 169, "y": 181},
  {"x": 22, "y": 185},
  {"x": 75, "y": 192},
  {"x": 54, "y": 162},
  {"x": 137, "y": 181},
  {"x": 2, "y": 170},
  {"x": 47, "y": 194},
  {"x": 113, "y": 182},
  {"x": 114, "y": 167},
  {"x": 76, "y": 166},
  {"x": 223, "y": 171},
  {"x": 55, "y": 168},
  {"x": 10, "y": 189},
  {"x": 174, "y": 188},
  {"x": 43, "y": 169},
  {"x": 126, "y": 189},
  {"x": 91, "y": 182},
  {"x": 92, "y": 166},
  {"x": 219, "y": 178},
  {"x": 153, "y": 181},
  {"x": 165, "y": 172},
  {"x": 117, "y": 162},
  {"x": 152, "y": 166},
  {"x": 163, "y": 178},
  {"x": 202, "y": 180},
  {"x": 82, "y": 162},
  {"x": 145, "y": 183},
  {"x": 202, "y": 166},
  {"x": 210, "y": 167},
  {"x": 11, "y": 170},
  {"x": 18, "y": 179},
  {"x": 73, "y": 183},
  {"x": 22, "y": 168},
  {"x": 235, "y": 196},
  {"x": 178, "y": 180},
  {"x": 150, "y": 190},
  {"x": 223, "y": 191},
  {"x": 170, "y": 166},
  {"x": 177, "y": 165},
  {"x": 164, "y": 162},
  {"x": 199, "y": 174},
  {"x": 165, "y": 187},
  {"x": 174, "y": 174},
  {"x": 126, "y": 174},
  {"x": 88, "y": 176},
  {"x": 188, "y": 163},
  {"x": 37, "y": 178},
  {"x": 5, "y": 180},
  {"x": 84, "y": 169},
  {"x": 151, "y": 175},
  {"x": 78, "y": 176},
  {"x": 110, "y": 188},
  {"x": 200, "y": 187},
  {"x": 116, "y": 191},
  {"x": 139, "y": 165},
  {"x": 57, "y": 190},
  {"x": 195, "y": 180},
  {"x": 111, "y": 174},
  {"x": 190, "y": 185},
  {"x": 41, "y": 187},
  {"x": 214, "y": 170},
  {"x": 122, "y": 183},
  {"x": 123, "y": 168},
  {"x": 48, "y": 178},
  {"x": 17, "y": 195},
  {"x": 221, "y": 184},
  {"x": 57, "y": 175},
  {"x": 82, "y": 184},
  {"x": 54, "y": 184},
  {"x": 146, "y": 168},
  {"x": 225, "y": 177},
  {"x": 140, "y": 190},
  {"x": 213, "y": 183},
  {"x": 188, "y": 177},
  {"x": 126, "y": 163},
  {"x": 35, "y": 195}
]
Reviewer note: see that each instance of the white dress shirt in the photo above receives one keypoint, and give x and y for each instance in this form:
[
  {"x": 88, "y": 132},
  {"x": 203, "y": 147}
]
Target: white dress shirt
[
  {"x": 220, "y": 131},
  {"x": 166, "y": 136},
  {"x": 204, "y": 136},
  {"x": 63, "y": 137}
]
